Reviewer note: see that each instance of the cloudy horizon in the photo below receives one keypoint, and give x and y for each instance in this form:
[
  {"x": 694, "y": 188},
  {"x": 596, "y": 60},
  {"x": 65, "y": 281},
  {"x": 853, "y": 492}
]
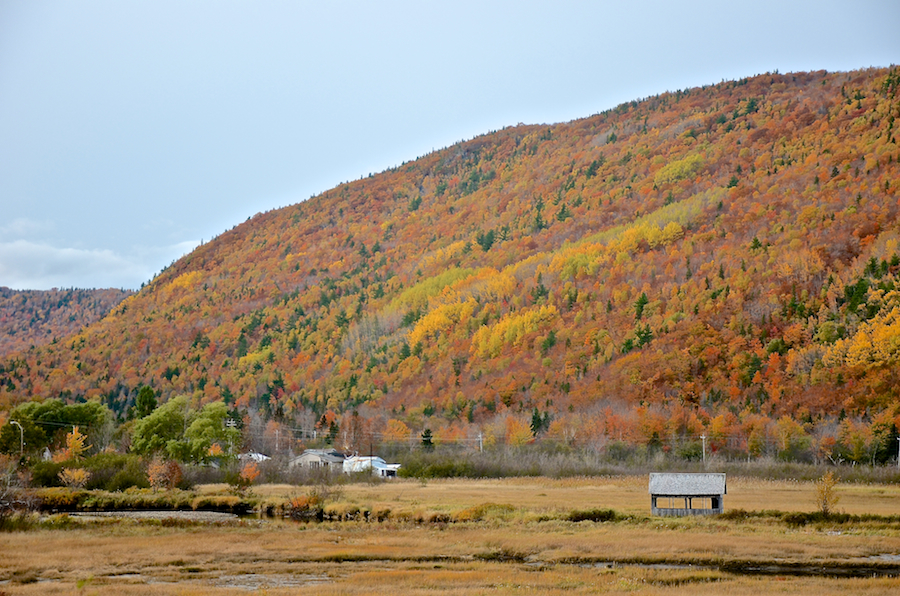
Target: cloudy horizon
[{"x": 133, "y": 131}]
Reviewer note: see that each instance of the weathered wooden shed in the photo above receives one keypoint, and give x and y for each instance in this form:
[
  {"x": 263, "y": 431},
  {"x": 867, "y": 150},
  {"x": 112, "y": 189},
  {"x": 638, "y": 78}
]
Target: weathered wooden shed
[{"x": 687, "y": 494}]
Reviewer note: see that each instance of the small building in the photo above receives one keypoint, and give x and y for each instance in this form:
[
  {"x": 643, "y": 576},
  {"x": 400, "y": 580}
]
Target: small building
[
  {"x": 378, "y": 466},
  {"x": 253, "y": 456},
  {"x": 687, "y": 494},
  {"x": 316, "y": 459}
]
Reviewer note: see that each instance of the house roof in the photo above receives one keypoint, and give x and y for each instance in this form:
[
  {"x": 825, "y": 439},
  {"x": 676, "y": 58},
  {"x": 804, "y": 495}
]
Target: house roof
[
  {"x": 253, "y": 456},
  {"x": 687, "y": 484},
  {"x": 325, "y": 455},
  {"x": 363, "y": 463}
]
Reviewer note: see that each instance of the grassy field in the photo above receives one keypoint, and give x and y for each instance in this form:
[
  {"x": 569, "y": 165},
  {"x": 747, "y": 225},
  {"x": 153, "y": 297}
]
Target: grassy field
[{"x": 506, "y": 537}]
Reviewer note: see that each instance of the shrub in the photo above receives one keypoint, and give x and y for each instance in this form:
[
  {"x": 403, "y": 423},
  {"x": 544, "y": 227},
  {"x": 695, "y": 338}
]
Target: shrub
[
  {"x": 59, "y": 499},
  {"x": 594, "y": 515},
  {"x": 74, "y": 477},
  {"x": 223, "y": 503},
  {"x": 480, "y": 512},
  {"x": 46, "y": 473},
  {"x": 436, "y": 469},
  {"x": 826, "y": 494},
  {"x": 164, "y": 474},
  {"x": 115, "y": 471},
  {"x": 345, "y": 512},
  {"x": 306, "y": 508},
  {"x": 735, "y": 515}
]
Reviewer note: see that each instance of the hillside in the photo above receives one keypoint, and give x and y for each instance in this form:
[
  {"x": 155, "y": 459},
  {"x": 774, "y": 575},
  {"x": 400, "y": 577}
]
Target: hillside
[
  {"x": 719, "y": 260},
  {"x": 34, "y": 317}
]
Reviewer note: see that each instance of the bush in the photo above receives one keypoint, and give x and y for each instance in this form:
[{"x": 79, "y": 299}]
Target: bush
[
  {"x": 18, "y": 521},
  {"x": 594, "y": 515},
  {"x": 59, "y": 499},
  {"x": 223, "y": 503},
  {"x": 735, "y": 515},
  {"x": 479, "y": 512},
  {"x": 115, "y": 471},
  {"x": 436, "y": 469},
  {"x": 106, "y": 471},
  {"x": 46, "y": 474},
  {"x": 307, "y": 508}
]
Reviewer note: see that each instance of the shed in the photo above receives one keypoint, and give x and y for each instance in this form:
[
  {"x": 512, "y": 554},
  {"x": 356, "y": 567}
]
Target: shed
[
  {"x": 313, "y": 459},
  {"x": 687, "y": 494}
]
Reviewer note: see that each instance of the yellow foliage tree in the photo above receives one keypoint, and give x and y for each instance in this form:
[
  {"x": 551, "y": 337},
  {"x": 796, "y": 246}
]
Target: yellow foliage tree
[
  {"x": 75, "y": 444},
  {"x": 74, "y": 477},
  {"x": 518, "y": 432},
  {"x": 511, "y": 330},
  {"x": 396, "y": 431},
  {"x": 441, "y": 319},
  {"x": 826, "y": 494}
]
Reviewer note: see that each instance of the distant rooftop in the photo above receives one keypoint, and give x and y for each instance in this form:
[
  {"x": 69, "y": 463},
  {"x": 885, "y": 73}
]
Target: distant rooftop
[{"x": 687, "y": 484}]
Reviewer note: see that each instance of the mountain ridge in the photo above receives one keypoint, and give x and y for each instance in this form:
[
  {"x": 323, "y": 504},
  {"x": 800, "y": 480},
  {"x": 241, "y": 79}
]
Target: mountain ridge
[
  {"x": 713, "y": 255},
  {"x": 36, "y": 317}
]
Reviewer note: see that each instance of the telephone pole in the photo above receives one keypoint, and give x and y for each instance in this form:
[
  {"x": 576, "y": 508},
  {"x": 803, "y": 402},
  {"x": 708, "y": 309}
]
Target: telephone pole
[
  {"x": 703, "y": 438},
  {"x": 231, "y": 424},
  {"x": 21, "y": 438}
]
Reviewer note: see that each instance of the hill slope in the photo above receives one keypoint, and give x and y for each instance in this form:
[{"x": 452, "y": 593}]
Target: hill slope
[
  {"x": 35, "y": 317},
  {"x": 709, "y": 260}
]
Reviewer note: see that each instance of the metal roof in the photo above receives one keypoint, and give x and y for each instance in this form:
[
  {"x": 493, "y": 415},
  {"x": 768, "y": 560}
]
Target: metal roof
[
  {"x": 363, "y": 463},
  {"x": 687, "y": 484}
]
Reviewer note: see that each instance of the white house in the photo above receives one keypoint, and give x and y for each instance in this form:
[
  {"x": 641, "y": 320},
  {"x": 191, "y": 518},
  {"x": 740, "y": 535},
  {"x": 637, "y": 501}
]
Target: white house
[
  {"x": 314, "y": 459},
  {"x": 253, "y": 456},
  {"x": 361, "y": 463}
]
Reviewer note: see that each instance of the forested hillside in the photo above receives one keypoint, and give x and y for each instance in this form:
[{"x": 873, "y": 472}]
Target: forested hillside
[
  {"x": 721, "y": 260},
  {"x": 34, "y": 317}
]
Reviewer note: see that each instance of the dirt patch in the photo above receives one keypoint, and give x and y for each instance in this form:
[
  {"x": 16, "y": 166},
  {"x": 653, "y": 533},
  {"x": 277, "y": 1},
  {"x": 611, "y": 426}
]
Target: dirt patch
[{"x": 257, "y": 581}]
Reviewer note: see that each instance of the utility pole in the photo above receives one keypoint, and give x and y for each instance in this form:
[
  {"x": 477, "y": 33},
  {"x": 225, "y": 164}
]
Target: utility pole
[
  {"x": 21, "y": 438},
  {"x": 703, "y": 438},
  {"x": 230, "y": 423}
]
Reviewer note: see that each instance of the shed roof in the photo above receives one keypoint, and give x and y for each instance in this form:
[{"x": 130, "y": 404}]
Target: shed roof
[{"x": 687, "y": 484}]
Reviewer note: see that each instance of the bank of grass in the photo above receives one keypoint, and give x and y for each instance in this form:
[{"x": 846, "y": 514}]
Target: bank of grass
[
  {"x": 494, "y": 551},
  {"x": 571, "y": 535},
  {"x": 510, "y": 501}
]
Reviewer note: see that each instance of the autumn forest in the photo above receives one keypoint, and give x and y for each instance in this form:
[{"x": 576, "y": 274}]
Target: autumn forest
[{"x": 720, "y": 262}]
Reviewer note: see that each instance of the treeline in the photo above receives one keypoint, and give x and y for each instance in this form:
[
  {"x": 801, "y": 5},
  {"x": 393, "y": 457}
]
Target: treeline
[
  {"x": 37, "y": 317},
  {"x": 56, "y": 440}
]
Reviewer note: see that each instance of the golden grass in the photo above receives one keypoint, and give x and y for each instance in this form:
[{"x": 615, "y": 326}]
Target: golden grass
[
  {"x": 510, "y": 547},
  {"x": 627, "y": 494}
]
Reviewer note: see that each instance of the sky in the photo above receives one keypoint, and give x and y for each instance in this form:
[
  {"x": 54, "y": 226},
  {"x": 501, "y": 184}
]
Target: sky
[{"x": 130, "y": 132}]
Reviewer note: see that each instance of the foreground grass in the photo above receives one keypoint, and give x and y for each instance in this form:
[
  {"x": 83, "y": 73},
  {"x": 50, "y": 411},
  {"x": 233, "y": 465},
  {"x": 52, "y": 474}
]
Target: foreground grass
[{"x": 520, "y": 544}]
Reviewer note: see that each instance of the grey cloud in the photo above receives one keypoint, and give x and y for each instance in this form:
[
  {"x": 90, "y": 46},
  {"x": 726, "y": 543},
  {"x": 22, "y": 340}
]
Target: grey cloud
[
  {"x": 35, "y": 266},
  {"x": 22, "y": 227}
]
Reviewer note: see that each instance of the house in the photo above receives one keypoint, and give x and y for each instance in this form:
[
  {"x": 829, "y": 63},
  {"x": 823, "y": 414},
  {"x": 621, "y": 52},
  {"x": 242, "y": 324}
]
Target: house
[
  {"x": 377, "y": 465},
  {"x": 687, "y": 494},
  {"x": 253, "y": 456},
  {"x": 315, "y": 459}
]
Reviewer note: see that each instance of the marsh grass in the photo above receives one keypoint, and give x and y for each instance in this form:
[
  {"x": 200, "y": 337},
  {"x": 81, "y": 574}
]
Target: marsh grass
[{"x": 466, "y": 537}]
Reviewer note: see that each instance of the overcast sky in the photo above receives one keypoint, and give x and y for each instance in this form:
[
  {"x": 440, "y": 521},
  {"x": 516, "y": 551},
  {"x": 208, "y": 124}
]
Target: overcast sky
[{"x": 130, "y": 131}]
